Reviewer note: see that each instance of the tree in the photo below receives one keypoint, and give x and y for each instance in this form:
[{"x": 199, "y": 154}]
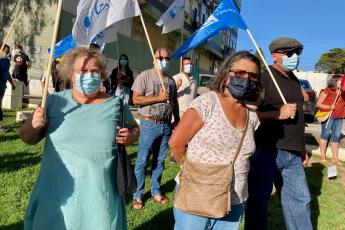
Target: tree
[
  {"x": 262, "y": 65},
  {"x": 332, "y": 61}
]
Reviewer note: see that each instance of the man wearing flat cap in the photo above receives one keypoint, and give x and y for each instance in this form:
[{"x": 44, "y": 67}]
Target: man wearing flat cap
[{"x": 280, "y": 153}]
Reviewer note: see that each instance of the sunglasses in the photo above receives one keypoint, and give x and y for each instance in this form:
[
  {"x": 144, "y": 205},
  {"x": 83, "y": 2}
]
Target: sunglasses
[
  {"x": 243, "y": 73},
  {"x": 297, "y": 51},
  {"x": 163, "y": 58}
]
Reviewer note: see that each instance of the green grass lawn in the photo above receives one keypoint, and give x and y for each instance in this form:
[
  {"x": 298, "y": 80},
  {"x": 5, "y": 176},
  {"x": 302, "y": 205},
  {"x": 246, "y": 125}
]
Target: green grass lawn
[{"x": 20, "y": 163}]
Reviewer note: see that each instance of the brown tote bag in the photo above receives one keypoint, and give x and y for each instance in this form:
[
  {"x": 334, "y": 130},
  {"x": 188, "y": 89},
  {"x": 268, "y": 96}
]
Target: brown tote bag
[{"x": 205, "y": 189}]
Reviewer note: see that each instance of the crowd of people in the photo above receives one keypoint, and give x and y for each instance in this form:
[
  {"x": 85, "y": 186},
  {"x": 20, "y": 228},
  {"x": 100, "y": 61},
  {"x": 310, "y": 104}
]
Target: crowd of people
[{"x": 233, "y": 143}]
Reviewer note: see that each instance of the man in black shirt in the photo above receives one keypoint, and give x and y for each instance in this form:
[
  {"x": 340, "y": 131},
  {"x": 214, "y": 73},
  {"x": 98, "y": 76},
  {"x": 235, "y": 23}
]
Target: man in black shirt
[
  {"x": 22, "y": 63},
  {"x": 280, "y": 144}
]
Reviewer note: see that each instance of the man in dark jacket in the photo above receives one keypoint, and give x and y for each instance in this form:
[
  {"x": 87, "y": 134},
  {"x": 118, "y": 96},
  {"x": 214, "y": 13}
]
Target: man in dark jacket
[{"x": 280, "y": 144}]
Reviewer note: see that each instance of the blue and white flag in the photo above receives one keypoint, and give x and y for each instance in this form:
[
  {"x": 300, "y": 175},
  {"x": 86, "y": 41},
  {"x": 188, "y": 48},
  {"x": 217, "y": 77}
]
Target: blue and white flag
[
  {"x": 106, "y": 36},
  {"x": 94, "y": 16},
  {"x": 68, "y": 43},
  {"x": 226, "y": 16},
  {"x": 64, "y": 46},
  {"x": 173, "y": 18}
]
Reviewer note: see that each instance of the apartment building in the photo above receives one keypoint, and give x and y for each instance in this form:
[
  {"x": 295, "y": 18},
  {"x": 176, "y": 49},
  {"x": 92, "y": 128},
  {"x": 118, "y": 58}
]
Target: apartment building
[{"x": 35, "y": 26}]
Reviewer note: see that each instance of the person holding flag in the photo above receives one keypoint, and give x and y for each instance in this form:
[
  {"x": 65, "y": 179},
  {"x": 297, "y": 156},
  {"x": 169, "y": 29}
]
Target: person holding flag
[
  {"x": 156, "y": 109},
  {"x": 280, "y": 144},
  {"x": 332, "y": 99},
  {"x": 76, "y": 187}
]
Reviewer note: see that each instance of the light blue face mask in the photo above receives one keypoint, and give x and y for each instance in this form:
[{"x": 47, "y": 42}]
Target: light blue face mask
[
  {"x": 123, "y": 62},
  {"x": 88, "y": 83},
  {"x": 187, "y": 68},
  {"x": 163, "y": 65},
  {"x": 6, "y": 55},
  {"x": 290, "y": 63}
]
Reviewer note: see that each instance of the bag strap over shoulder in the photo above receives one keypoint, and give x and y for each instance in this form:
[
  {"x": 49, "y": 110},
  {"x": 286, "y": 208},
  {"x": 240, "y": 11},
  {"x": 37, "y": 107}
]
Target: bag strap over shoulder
[{"x": 242, "y": 138}]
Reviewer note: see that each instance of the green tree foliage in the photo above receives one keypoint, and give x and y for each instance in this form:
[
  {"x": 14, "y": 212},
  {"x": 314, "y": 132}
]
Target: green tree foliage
[
  {"x": 262, "y": 65},
  {"x": 332, "y": 61}
]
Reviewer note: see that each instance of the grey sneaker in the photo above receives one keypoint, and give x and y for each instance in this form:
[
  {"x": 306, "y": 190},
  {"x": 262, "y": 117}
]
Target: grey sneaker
[
  {"x": 172, "y": 160},
  {"x": 3, "y": 130}
]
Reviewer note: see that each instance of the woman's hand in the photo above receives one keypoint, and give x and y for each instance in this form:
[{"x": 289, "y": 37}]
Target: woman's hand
[
  {"x": 127, "y": 136},
  {"x": 34, "y": 129},
  {"x": 38, "y": 118}
]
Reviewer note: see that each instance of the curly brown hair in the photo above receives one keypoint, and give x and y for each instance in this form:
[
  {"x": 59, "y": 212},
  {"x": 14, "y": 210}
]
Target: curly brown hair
[{"x": 66, "y": 67}]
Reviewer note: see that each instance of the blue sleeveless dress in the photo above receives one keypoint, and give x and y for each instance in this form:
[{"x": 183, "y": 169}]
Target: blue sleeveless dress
[{"x": 76, "y": 188}]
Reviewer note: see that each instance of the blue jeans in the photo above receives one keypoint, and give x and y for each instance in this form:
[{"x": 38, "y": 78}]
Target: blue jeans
[
  {"x": 185, "y": 221},
  {"x": 2, "y": 93},
  {"x": 284, "y": 169},
  {"x": 153, "y": 140},
  {"x": 333, "y": 129}
]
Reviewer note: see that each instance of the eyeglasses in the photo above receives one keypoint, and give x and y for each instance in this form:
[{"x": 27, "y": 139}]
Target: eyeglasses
[
  {"x": 244, "y": 73},
  {"x": 163, "y": 58},
  {"x": 289, "y": 53}
]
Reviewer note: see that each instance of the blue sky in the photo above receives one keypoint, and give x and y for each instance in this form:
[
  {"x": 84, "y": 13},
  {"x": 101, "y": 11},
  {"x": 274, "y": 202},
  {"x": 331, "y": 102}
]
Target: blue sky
[{"x": 318, "y": 24}]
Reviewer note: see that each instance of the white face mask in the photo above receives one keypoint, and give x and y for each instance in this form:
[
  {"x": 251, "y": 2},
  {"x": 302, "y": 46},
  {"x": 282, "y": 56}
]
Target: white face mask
[
  {"x": 187, "y": 68},
  {"x": 290, "y": 63},
  {"x": 163, "y": 65},
  {"x": 88, "y": 83}
]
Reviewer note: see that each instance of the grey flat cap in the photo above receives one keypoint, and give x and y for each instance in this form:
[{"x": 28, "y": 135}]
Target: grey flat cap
[{"x": 284, "y": 43}]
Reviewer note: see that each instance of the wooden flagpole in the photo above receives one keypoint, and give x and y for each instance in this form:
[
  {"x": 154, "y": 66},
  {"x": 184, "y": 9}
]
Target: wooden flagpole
[
  {"x": 152, "y": 53},
  {"x": 335, "y": 102},
  {"x": 11, "y": 27},
  {"x": 117, "y": 46},
  {"x": 52, "y": 51},
  {"x": 182, "y": 32},
  {"x": 266, "y": 65}
]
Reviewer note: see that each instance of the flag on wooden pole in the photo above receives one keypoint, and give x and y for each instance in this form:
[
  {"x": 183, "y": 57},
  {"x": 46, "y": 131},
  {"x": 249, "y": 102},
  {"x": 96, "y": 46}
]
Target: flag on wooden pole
[
  {"x": 94, "y": 16},
  {"x": 173, "y": 18},
  {"x": 226, "y": 16}
]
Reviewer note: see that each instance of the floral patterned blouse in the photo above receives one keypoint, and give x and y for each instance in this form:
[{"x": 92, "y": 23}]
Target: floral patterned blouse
[{"x": 217, "y": 141}]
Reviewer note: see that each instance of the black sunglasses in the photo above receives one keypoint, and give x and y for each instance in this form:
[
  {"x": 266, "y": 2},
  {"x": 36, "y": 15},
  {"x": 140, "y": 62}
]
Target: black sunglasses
[
  {"x": 243, "y": 73},
  {"x": 163, "y": 58},
  {"x": 289, "y": 53}
]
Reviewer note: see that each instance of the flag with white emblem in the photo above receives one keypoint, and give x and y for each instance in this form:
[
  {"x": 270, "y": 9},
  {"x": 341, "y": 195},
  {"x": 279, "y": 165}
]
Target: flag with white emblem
[
  {"x": 94, "y": 16},
  {"x": 173, "y": 18}
]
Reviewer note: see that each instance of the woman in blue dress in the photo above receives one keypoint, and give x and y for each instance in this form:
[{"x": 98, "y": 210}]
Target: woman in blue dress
[{"x": 76, "y": 187}]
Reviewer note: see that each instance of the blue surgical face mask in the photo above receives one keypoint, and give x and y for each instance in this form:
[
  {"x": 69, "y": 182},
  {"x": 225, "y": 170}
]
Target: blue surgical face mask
[
  {"x": 123, "y": 62},
  {"x": 163, "y": 65},
  {"x": 6, "y": 56},
  {"x": 187, "y": 68},
  {"x": 290, "y": 63},
  {"x": 241, "y": 87},
  {"x": 88, "y": 83}
]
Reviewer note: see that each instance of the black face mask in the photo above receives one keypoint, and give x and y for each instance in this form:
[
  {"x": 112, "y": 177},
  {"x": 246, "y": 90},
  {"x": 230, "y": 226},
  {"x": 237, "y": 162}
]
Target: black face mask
[{"x": 241, "y": 88}]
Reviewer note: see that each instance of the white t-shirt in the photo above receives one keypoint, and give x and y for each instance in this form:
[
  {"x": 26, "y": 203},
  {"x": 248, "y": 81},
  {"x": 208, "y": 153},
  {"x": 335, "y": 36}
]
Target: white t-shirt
[{"x": 187, "y": 91}]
